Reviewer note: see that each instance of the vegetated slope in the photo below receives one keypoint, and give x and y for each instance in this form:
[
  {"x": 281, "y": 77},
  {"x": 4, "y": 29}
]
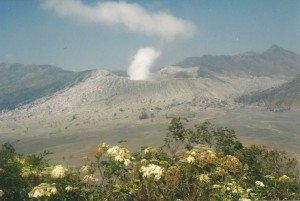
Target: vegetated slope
[
  {"x": 286, "y": 95},
  {"x": 273, "y": 62},
  {"x": 21, "y": 84}
]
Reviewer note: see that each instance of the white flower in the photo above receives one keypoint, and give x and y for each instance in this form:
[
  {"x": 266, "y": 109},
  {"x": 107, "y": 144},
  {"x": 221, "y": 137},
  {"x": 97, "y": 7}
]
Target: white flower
[
  {"x": 259, "y": 184},
  {"x": 1, "y": 193},
  {"x": 152, "y": 170},
  {"x": 244, "y": 199},
  {"x": 58, "y": 172},
  {"x": 150, "y": 150},
  {"x": 41, "y": 190},
  {"x": 147, "y": 150},
  {"x": 86, "y": 169},
  {"x": 37, "y": 194},
  {"x": 119, "y": 154},
  {"x": 104, "y": 145},
  {"x": 90, "y": 178},
  {"x": 53, "y": 190},
  {"x": 119, "y": 158},
  {"x": 284, "y": 179},
  {"x": 203, "y": 178},
  {"x": 127, "y": 162},
  {"x": 69, "y": 188},
  {"x": 190, "y": 159},
  {"x": 248, "y": 190},
  {"x": 20, "y": 160}
]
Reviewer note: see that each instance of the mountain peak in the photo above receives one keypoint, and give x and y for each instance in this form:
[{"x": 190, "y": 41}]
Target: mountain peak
[{"x": 275, "y": 49}]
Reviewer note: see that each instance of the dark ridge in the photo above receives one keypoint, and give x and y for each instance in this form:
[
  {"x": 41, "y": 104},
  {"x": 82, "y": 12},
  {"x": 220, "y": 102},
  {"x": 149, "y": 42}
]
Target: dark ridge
[
  {"x": 274, "y": 61},
  {"x": 21, "y": 84}
]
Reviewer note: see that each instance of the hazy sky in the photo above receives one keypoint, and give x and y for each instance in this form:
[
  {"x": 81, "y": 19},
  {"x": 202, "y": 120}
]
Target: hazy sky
[{"x": 89, "y": 34}]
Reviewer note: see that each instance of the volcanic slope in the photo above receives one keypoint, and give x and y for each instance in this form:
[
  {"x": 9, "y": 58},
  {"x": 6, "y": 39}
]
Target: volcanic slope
[
  {"x": 104, "y": 96},
  {"x": 284, "y": 96}
]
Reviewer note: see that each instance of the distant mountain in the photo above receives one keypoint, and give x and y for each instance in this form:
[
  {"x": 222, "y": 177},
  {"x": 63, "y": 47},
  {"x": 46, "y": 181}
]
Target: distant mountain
[
  {"x": 286, "y": 95},
  {"x": 274, "y": 61},
  {"x": 21, "y": 84}
]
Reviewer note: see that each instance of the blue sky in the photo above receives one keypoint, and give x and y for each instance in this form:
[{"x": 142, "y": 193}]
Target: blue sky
[{"x": 33, "y": 34}]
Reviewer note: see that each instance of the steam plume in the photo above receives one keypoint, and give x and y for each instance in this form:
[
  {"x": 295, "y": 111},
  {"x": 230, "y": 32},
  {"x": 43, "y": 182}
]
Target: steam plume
[
  {"x": 142, "y": 62},
  {"x": 131, "y": 16}
]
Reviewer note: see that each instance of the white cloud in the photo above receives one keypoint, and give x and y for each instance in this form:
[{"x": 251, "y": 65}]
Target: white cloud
[{"x": 130, "y": 15}]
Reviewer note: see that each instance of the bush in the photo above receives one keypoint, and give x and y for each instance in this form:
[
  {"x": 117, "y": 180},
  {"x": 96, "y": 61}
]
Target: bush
[
  {"x": 204, "y": 163},
  {"x": 143, "y": 115}
]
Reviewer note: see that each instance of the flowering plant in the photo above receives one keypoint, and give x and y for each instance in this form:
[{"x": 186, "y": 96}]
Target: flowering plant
[{"x": 203, "y": 164}]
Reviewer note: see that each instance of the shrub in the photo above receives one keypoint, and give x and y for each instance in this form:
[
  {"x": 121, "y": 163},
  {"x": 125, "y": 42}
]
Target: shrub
[
  {"x": 203, "y": 163},
  {"x": 143, "y": 115}
]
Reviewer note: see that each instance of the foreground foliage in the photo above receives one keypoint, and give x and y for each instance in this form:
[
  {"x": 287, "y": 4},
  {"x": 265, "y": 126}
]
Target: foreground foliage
[{"x": 203, "y": 163}]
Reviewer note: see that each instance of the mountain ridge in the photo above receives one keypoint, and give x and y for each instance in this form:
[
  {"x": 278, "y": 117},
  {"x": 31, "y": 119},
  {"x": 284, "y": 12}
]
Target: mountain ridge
[
  {"x": 275, "y": 61},
  {"x": 21, "y": 84}
]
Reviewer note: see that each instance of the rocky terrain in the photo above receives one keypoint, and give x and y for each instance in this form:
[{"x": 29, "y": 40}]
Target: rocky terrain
[{"x": 104, "y": 96}]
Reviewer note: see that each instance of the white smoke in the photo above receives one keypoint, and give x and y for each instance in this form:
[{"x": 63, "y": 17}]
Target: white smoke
[
  {"x": 130, "y": 15},
  {"x": 139, "y": 68}
]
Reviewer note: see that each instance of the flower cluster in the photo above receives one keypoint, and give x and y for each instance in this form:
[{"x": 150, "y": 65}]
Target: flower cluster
[
  {"x": 207, "y": 157},
  {"x": 87, "y": 169},
  {"x": 152, "y": 170},
  {"x": 69, "y": 188},
  {"x": 100, "y": 150},
  {"x": 58, "y": 172},
  {"x": 27, "y": 172},
  {"x": 284, "y": 179},
  {"x": 120, "y": 154},
  {"x": 191, "y": 157},
  {"x": 232, "y": 163},
  {"x": 150, "y": 150},
  {"x": 43, "y": 190},
  {"x": 259, "y": 184},
  {"x": 221, "y": 172},
  {"x": 90, "y": 178},
  {"x": 204, "y": 178}
]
